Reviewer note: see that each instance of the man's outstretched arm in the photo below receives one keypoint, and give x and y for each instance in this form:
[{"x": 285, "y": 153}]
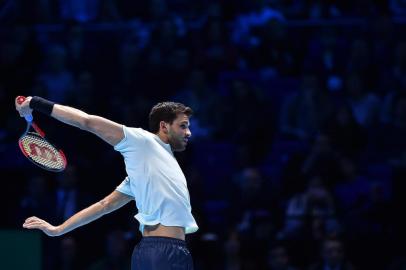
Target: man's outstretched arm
[
  {"x": 109, "y": 131},
  {"x": 109, "y": 204}
]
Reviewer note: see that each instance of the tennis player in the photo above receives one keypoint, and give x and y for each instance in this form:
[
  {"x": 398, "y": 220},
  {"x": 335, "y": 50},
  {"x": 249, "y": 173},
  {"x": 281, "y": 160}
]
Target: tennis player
[{"x": 154, "y": 180}]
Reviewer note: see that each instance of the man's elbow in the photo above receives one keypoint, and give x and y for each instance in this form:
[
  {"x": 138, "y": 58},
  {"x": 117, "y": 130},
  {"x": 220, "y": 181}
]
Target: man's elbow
[
  {"x": 106, "y": 205},
  {"x": 86, "y": 123}
]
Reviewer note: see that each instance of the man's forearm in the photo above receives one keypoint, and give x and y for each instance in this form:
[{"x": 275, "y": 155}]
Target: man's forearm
[
  {"x": 83, "y": 217},
  {"x": 109, "y": 204},
  {"x": 71, "y": 116}
]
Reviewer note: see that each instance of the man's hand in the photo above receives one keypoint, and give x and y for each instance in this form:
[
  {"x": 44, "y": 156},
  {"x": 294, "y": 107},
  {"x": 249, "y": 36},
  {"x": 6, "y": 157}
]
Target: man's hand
[
  {"x": 37, "y": 223},
  {"x": 24, "y": 108}
]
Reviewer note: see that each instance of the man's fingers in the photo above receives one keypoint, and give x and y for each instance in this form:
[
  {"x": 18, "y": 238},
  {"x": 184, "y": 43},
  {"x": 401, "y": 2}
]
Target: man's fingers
[
  {"x": 34, "y": 225},
  {"x": 31, "y": 219}
]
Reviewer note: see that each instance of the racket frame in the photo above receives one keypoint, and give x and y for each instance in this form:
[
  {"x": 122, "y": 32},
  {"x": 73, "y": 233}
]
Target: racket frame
[{"x": 41, "y": 135}]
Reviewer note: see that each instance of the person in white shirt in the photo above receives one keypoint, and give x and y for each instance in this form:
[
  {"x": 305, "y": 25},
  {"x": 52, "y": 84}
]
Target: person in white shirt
[{"x": 154, "y": 180}]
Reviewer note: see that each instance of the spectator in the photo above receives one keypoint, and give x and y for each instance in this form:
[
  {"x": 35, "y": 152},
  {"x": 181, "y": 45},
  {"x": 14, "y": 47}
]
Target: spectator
[
  {"x": 352, "y": 188},
  {"x": 278, "y": 258},
  {"x": 315, "y": 201},
  {"x": 304, "y": 112},
  {"x": 332, "y": 256},
  {"x": 364, "y": 104}
]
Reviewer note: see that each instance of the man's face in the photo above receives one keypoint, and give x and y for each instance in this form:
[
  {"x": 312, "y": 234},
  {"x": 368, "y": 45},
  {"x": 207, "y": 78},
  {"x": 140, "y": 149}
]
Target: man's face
[{"x": 179, "y": 133}]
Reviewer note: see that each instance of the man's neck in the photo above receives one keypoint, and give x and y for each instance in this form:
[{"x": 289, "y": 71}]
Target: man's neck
[{"x": 163, "y": 137}]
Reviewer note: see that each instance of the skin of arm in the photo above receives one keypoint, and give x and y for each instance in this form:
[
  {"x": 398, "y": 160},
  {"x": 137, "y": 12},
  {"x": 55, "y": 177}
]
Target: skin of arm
[
  {"x": 107, "y": 205},
  {"x": 111, "y": 132}
]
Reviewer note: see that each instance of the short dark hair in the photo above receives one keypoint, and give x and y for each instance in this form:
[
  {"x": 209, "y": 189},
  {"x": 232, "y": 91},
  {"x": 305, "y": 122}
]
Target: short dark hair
[{"x": 167, "y": 112}]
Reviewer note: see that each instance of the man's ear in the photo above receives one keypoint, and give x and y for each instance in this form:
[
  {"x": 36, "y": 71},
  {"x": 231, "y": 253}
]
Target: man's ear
[{"x": 164, "y": 127}]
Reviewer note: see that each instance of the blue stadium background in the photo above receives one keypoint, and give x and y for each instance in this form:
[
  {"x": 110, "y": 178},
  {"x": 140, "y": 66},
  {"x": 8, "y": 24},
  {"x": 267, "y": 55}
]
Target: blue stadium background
[{"x": 298, "y": 153}]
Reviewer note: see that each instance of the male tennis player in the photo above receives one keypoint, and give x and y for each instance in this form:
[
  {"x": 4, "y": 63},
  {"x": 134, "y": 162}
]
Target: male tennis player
[{"x": 154, "y": 180}]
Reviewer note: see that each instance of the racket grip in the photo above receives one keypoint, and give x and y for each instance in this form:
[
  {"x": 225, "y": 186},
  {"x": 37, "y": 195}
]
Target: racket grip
[{"x": 28, "y": 118}]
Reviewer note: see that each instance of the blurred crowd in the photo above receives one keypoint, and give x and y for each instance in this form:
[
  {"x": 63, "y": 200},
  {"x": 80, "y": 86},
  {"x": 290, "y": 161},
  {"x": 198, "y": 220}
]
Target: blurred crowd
[{"x": 298, "y": 154}]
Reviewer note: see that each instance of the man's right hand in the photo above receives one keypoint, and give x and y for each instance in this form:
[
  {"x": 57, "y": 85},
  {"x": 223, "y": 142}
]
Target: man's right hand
[
  {"x": 24, "y": 108},
  {"x": 37, "y": 223}
]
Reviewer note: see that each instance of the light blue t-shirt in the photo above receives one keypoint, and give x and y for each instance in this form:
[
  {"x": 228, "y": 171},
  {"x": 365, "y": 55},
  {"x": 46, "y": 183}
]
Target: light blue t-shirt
[{"x": 155, "y": 180}]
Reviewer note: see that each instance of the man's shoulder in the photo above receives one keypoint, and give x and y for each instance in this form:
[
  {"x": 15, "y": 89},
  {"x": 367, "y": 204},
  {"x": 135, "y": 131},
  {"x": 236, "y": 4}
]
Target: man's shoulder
[{"x": 137, "y": 131}]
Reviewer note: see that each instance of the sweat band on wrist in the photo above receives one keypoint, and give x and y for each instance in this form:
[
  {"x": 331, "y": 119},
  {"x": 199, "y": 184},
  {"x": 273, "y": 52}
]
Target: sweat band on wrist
[{"x": 42, "y": 105}]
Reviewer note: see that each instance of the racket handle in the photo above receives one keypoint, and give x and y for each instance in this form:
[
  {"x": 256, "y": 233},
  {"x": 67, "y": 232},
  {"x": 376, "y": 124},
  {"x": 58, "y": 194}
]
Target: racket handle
[
  {"x": 20, "y": 99},
  {"x": 29, "y": 118}
]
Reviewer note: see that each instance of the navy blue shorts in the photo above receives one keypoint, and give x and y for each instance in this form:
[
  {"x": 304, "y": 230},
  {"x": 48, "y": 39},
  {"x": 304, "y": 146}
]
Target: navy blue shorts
[{"x": 161, "y": 253}]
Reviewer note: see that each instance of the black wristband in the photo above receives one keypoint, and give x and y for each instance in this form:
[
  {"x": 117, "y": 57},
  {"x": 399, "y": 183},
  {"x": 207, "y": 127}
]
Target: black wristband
[{"x": 42, "y": 105}]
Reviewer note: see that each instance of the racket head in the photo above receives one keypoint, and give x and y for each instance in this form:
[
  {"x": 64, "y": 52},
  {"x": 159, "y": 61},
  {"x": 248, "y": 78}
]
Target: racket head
[{"x": 41, "y": 152}]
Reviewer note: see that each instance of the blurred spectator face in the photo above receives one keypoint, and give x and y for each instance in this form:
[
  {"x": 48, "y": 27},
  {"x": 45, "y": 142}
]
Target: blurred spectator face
[
  {"x": 278, "y": 258},
  {"x": 333, "y": 254}
]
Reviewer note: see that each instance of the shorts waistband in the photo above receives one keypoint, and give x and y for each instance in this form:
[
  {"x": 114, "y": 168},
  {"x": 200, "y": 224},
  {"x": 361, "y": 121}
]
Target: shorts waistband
[{"x": 163, "y": 240}]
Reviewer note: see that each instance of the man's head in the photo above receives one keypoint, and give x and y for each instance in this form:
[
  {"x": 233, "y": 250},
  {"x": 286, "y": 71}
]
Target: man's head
[{"x": 170, "y": 121}]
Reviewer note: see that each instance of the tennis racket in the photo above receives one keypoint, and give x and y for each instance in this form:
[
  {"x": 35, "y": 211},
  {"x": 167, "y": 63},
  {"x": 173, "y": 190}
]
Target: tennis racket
[{"x": 38, "y": 149}]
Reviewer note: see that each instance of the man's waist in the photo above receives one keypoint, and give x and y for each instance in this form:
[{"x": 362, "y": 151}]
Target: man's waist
[{"x": 164, "y": 231}]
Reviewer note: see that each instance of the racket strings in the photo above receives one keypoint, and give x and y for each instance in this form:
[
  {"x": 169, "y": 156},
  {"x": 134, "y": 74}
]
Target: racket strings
[{"x": 42, "y": 152}]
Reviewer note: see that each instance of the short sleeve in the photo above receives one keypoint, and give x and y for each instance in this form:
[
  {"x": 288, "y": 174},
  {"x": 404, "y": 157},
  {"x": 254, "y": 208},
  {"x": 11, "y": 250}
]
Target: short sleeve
[
  {"x": 125, "y": 187},
  {"x": 133, "y": 138}
]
